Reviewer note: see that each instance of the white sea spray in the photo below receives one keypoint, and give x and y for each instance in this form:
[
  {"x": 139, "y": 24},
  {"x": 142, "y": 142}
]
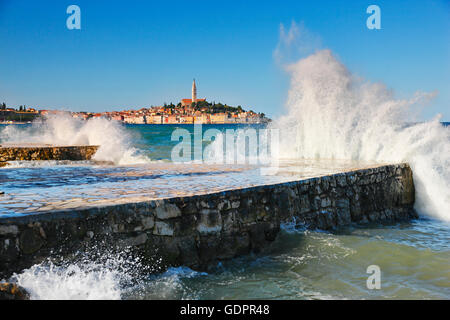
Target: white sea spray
[
  {"x": 332, "y": 114},
  {"x": 114, "y": 140}
]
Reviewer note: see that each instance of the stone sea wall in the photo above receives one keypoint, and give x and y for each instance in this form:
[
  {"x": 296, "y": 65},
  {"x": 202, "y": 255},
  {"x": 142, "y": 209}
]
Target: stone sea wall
[
  {"x": 16, "y": 153},
  {"x": 201, "y": 230}
]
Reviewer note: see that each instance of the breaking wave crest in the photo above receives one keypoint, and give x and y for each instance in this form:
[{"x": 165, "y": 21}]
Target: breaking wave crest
[
  {"x": 113, "y": 139},
  {"x": 332, "y": 114},
  {"x": 106, "y": 276}
]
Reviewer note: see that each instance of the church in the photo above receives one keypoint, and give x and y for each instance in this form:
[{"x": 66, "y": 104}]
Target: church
[{"x": 188, "y": 102}]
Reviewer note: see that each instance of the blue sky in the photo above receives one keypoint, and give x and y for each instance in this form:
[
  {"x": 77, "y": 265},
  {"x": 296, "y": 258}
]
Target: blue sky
[{"x": 141, "y": 53}]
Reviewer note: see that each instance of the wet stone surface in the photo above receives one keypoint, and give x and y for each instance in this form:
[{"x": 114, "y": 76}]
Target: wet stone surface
[
  {"x": 192, "y": 215},
  {"x": 38, "y": 152}
]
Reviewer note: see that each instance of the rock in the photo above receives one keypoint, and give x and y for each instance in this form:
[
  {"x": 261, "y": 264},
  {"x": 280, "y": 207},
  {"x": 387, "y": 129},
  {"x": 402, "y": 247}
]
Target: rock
[
  {"x": 326, "y": 202},
  {"x": 167, "y": 211},
  {"x": 8, "y": 229},
  {"x": 210, "y": 221},
  {"x": 133, "y": 241},
  {"x": 44, "y": 152},
  {"x": 235, "y": 204},
  {"x": 30, "y": 241},
  {"x": 163, "y": 229},
  {"x": 341, "y": 180},
  {"x": 11, "y": 291},
  {"x": 223, "y": 205},
  {"x": 148, "y": 223}
]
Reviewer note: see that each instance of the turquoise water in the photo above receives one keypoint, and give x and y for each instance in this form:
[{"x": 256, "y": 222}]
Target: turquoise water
[
  {"x": 414, "y": 257},
  {"x": 156, "y": 141}
]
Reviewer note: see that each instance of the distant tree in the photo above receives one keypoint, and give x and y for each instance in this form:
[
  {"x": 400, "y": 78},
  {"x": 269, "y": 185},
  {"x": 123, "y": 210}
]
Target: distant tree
[
  {"x": 202, "y": 104},
  {"x": 20, "y": 108}
]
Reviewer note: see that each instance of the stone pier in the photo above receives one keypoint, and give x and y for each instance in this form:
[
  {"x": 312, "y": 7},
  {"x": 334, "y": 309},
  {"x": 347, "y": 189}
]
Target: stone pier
[
  {"x": 199, "y": 231},
  {"x": 32, "y": 152}
]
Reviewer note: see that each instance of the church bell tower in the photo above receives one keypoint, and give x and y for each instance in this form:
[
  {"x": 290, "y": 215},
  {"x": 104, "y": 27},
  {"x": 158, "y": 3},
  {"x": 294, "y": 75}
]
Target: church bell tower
[{"x": 194, "y": 92}]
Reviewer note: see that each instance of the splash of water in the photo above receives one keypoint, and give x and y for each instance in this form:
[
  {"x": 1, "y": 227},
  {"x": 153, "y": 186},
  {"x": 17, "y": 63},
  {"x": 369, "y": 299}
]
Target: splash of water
[
  {"x": 70, "y": 283},
  {"x": 113, "y": 139},
  {"x": 335, "y": 115},
  {"x": 96, "y": 275},
  {"x": 104, "y": 276}
]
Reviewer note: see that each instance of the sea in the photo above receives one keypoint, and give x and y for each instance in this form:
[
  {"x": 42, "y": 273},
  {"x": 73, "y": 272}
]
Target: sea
[
  {"x": 414, "y": 256},
  {"x": 330, "y": 117}
]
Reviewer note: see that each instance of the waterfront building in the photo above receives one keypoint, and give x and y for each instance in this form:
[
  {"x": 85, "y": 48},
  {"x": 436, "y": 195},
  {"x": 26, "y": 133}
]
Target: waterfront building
[
  {"x": 157, "y": 119},
  {"x": 170, "y": 119},
  {"x": 135, "y": 119},
  {"x": 201, "y": 119},
  {"x": 187, "y": 119},
  {"x": 219, "y": 118}
]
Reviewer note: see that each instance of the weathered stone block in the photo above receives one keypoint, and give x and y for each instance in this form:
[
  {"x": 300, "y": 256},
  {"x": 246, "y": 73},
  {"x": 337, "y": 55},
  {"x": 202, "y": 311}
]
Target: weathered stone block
[
  {"x": 163, "y": 229},
  {"x": 147, "y": 222},
  {"x": 8, "y": 229},
  {"x": 30, "y": 241},
  {"x": 167, "y": 210},
  {"x": 210, "y": 221},
  {"x": 134, "y": 241}
]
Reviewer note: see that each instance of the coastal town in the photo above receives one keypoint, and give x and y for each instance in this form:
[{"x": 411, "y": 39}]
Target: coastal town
[{"x": 188, "y": 111}]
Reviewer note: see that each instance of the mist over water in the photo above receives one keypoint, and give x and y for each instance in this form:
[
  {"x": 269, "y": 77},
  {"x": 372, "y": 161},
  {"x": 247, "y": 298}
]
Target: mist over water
[{"x": 332, "y": 114}]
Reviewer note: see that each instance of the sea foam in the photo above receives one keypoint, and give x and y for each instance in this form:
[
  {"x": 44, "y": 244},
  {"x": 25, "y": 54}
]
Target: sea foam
[
  {"x": 114, "y": 140},
  {"x": 332, "y": 114}
]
